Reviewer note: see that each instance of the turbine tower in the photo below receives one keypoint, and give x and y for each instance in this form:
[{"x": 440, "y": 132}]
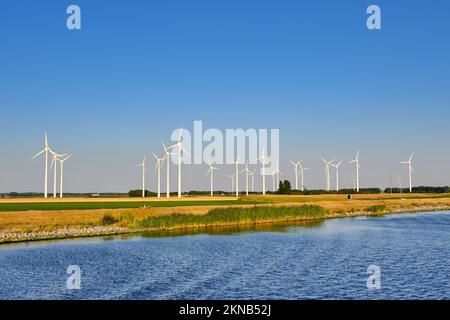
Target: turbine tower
[
  {"x": 336, "y": 166},
  {"x": 327, "y": 172},
  {"x": 180, "y": 148},
  {"x": 357, "y": 167},
  {"x": 61, "y": 166},
  {"x": 276, "y": 177},
  {"x": 263, "y": 159},
  {"x": 247, "y": 173},
  {"x": 232, "y": 181},
  {"x": 143, "y": 176},
  {"x": 167, "y": 155},
  {"x": 252, "y": 174},
  {"x": 296, "y": 164},
  {"x": 56, "y": 157},
  {"x": 158, "y": 168},
  {"x": 302, "y": 173},
  {"x": 410, "y": 171},
  {"x": 46, "y": 150},
  {"x": 211, "y": 172},
  {"x": 236, "y": 174}
]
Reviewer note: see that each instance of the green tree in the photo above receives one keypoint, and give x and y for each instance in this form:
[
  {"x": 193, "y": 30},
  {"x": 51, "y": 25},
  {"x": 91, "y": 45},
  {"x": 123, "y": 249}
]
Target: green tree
[{"x": 284, "y": 187}]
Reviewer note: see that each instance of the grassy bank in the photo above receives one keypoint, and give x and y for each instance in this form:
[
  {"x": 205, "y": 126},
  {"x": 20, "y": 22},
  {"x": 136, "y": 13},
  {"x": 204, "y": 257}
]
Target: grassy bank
[{"x": 234, "y": 216}]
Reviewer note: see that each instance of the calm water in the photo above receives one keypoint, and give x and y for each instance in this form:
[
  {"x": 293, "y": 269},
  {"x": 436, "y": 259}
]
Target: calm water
[{"x": 326, "y": 260}]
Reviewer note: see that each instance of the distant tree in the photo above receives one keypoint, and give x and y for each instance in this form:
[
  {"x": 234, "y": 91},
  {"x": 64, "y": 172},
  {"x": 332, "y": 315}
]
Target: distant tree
[
  {"x": 284, "y": 187},
  {"x": 420, "y": 189},
  {"x": 138, "y": 193}
]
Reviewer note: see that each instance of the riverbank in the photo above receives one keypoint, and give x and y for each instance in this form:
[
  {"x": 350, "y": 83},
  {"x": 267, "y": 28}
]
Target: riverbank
[{"x": 44, "y": 225}]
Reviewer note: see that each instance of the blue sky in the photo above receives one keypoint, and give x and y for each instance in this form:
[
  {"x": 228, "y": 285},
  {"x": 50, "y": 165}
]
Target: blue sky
[{"x": 139, "y": 69}]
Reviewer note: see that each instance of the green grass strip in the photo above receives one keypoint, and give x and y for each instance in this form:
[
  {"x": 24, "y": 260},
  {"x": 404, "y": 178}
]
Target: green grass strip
[
  {"x": 235, "y": 215},
  {"x": 52, "y": 206}
]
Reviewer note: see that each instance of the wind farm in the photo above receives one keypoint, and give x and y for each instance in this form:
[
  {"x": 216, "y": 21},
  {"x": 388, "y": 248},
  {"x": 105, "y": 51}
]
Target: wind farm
[{"x": 335, "y": 201}]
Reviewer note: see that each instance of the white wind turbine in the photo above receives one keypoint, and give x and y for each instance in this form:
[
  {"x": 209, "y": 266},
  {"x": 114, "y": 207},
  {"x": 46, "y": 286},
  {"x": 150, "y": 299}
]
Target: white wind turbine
[
  {"x": 56, "y": 157},
  {"x": 247, "y": 173},
  {"x": 232, "y": 181},
  {"x": 273, "y": 181},
  {"x": 276, "y": 179},
  {"x": 410, "y": 171},
  {"x": 180, "y": 148},
  {"x": 46, "y": 150},
  {"x": 252, "y": 174},
  {"x": 236, "y": 174},
  {"x": 61, "y": 166},
  {"x": 167, "y": 155},
  {"x": 211, "y": 172},
  {"x": 357, "y": 167},
  {"x": 143, "y": 176},
  {"x": 263, "y": 160},
  {"x": 336, "y": 166},
  {"x": 302, "y": 173},
  {"x": 296, "y": 164},
  {"x": 327, "y": 172},
  {"x": 400, "y": 184},
  {"x": 158, "y": 168}
]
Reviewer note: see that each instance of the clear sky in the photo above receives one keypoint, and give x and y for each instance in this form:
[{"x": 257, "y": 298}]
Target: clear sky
[{"x": 109, "y": 93}]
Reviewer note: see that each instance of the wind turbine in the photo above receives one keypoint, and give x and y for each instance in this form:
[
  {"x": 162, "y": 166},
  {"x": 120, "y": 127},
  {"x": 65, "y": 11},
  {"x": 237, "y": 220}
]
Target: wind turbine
[
  {"x": 247, "y": 172},
  {"x": 232, "y": 181},
  {"x": 56, "y": 157},
  {"x": 252, "y": 174},
  {"x": 302, "y": 172},
  {"x": 327, "y": 172},
  {"x": 296, "y": 164},
  {"x": 46, "y": 150},
  {"x": 357, "y": 167},
  {"x": 211, "y": 172},
  {"x": 167, "y": 155},
  {"x": 276, "y": 174},
  {"x": 236, "y": 173},
  {"x": 400, "y": 185},
  {"x": 263, "y": 159},
  {"x": 61, "y": 166},
  {"x": 180, "y": 148},
  {"x": 336, "y": 166},
  {"x": 143, "y": 176},
  {"x": 158, "y": 168},
  {"x": 410, "y": 171}
]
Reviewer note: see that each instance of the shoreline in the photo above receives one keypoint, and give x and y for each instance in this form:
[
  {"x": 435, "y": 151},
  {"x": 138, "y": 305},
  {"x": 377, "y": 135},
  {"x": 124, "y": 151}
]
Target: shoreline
[{"x": 99, "y": 231}]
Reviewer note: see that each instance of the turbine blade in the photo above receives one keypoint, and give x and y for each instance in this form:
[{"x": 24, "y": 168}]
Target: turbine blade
[
  {"x": 179, "y": 134},
  {"x": 184, "y": 150},
  {"x": 38, "y": 154}
]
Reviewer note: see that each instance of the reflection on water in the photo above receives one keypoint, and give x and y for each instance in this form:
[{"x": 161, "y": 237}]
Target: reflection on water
[
  {"x": 220, "y": 230},
  {"x": 234, "y": 229}
]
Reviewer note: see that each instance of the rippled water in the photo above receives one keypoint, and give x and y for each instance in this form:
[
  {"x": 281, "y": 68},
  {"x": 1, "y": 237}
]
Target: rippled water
[{"x": 326, "y": 260}]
